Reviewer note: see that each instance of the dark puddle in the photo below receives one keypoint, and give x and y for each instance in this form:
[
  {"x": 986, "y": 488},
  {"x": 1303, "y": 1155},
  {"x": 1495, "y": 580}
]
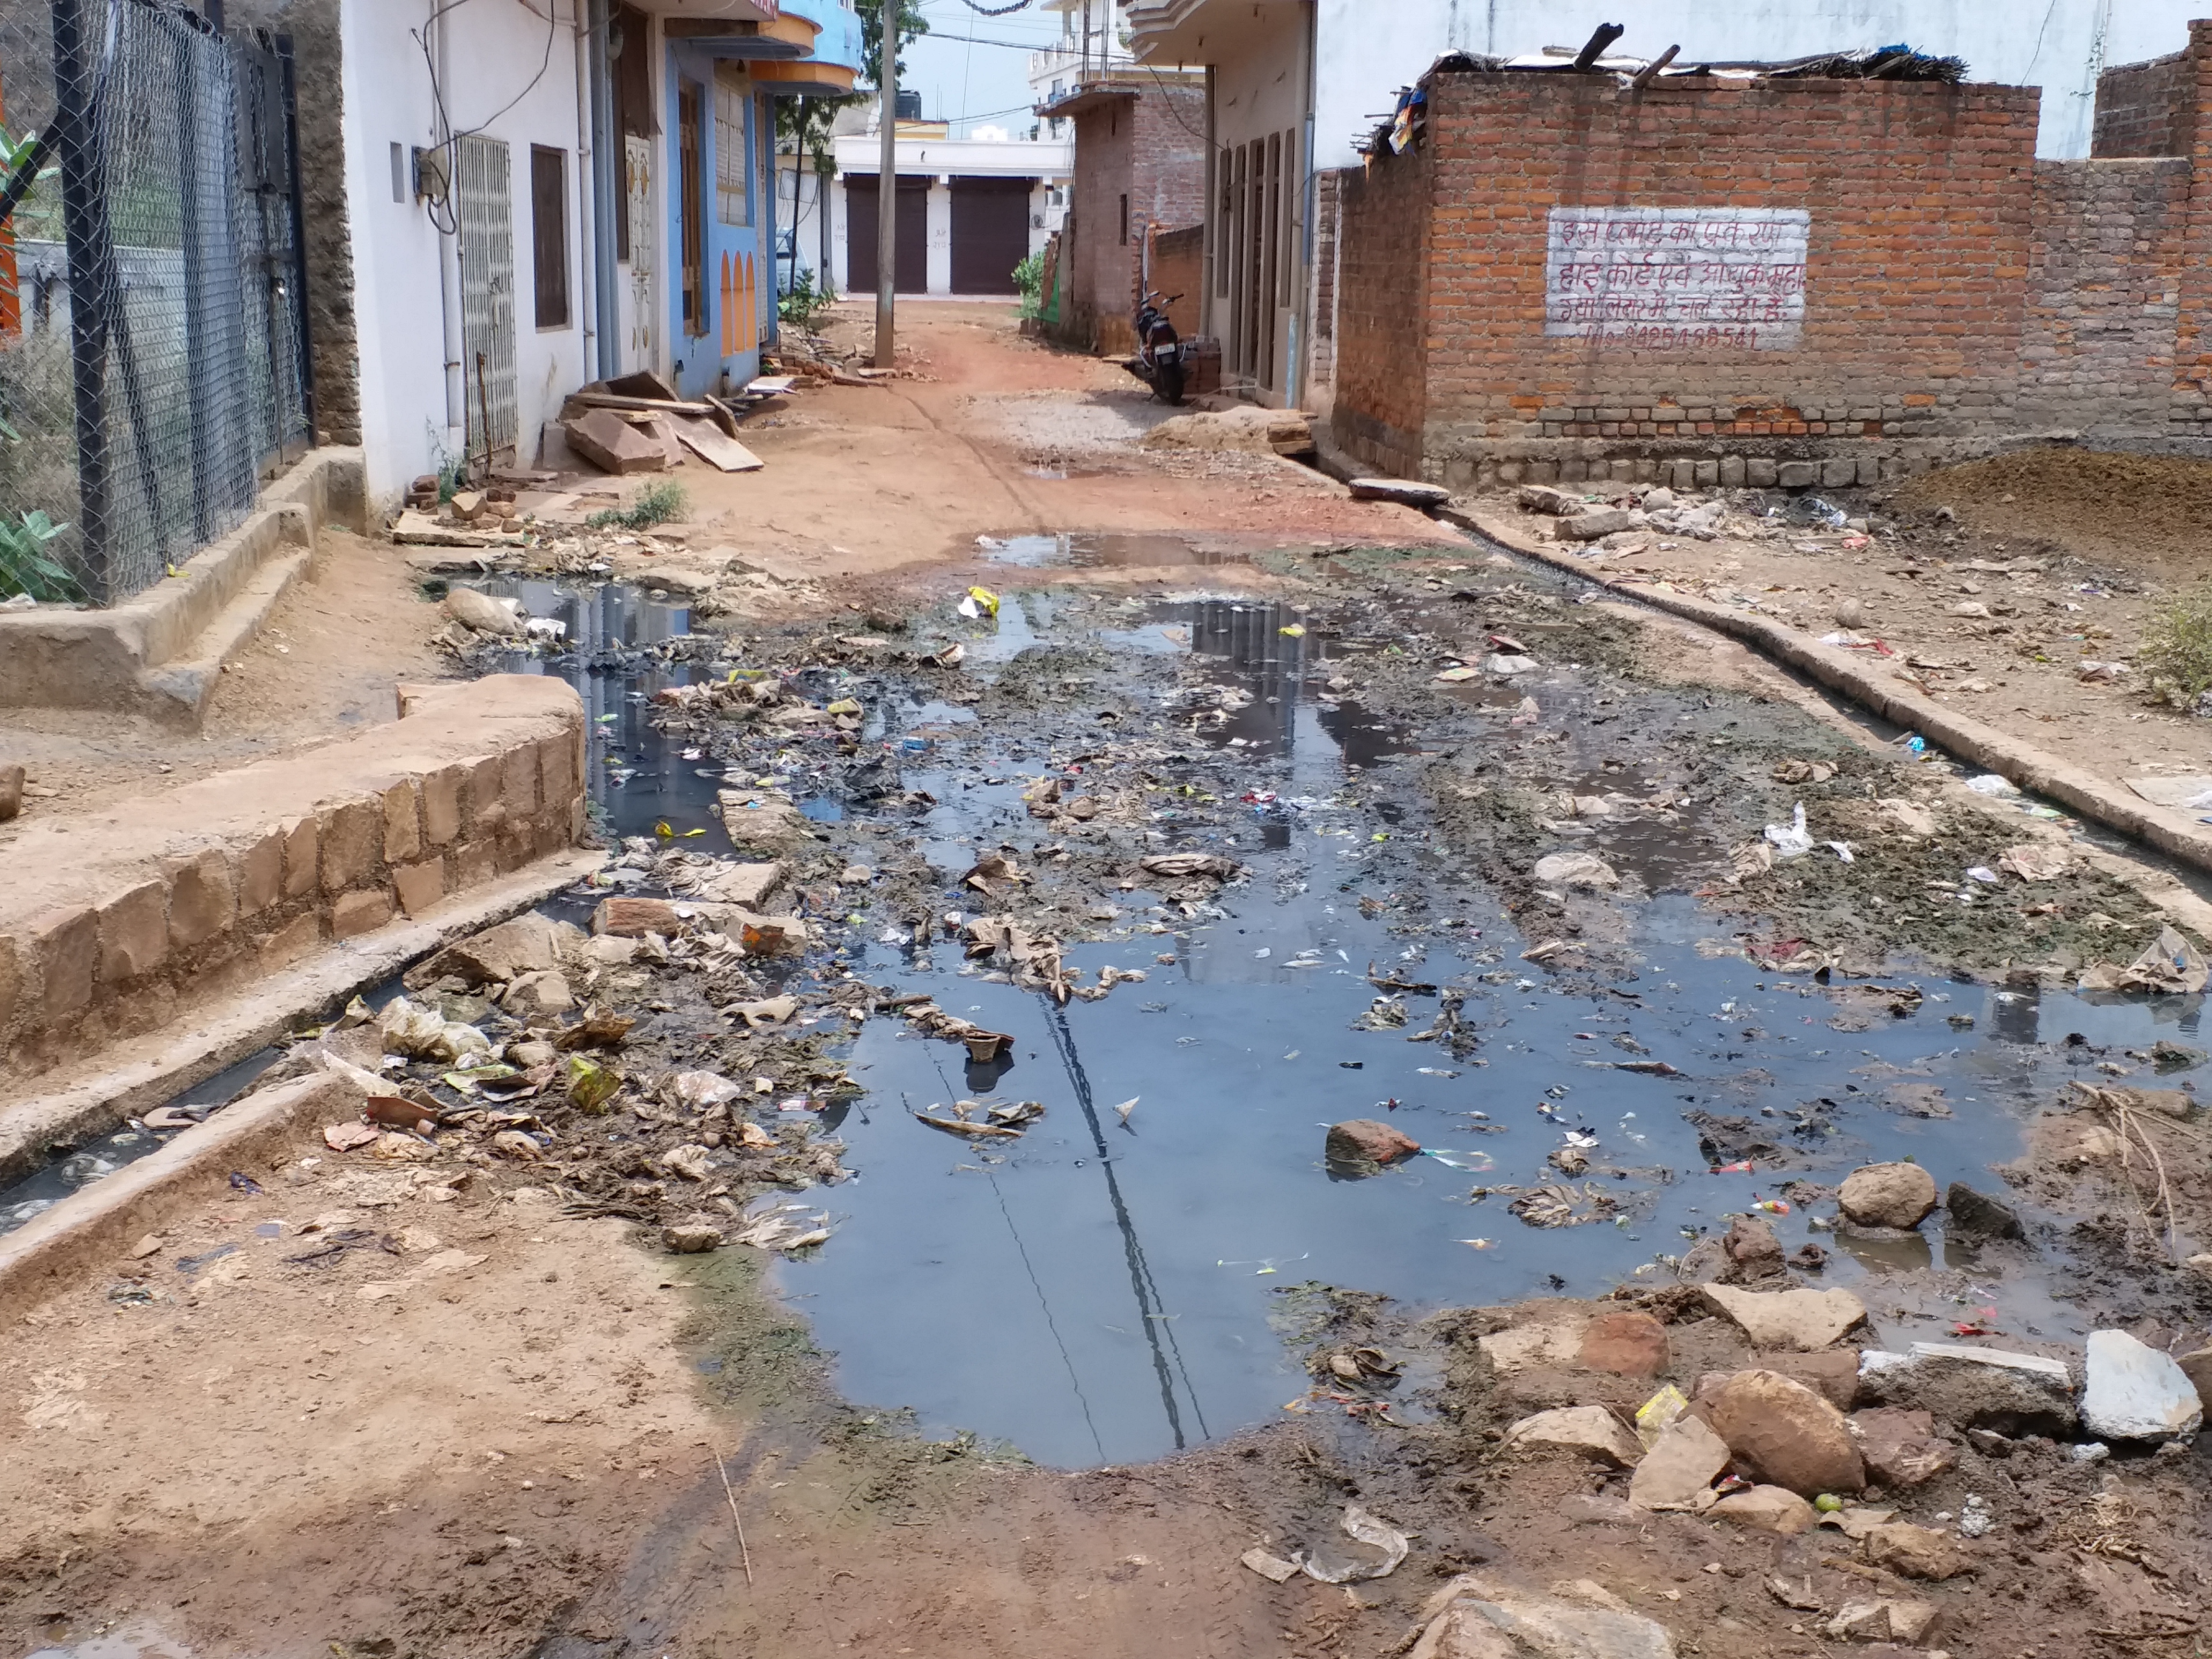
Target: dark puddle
[
  {"x": 616, "y": 649},
  {"x": 1102, "y": 1291},
  {"x": 1102, "y": 550}
]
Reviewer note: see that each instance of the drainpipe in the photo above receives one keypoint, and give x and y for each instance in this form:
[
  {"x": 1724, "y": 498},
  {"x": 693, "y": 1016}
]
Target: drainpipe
[
  {"x": 606, "y": 198},
  {"x": 1301, "y": 319},
  {"x": 449, "y": 247},
  {"x": 1210, "y": 254},
  {"x": 583, "y": 283}
]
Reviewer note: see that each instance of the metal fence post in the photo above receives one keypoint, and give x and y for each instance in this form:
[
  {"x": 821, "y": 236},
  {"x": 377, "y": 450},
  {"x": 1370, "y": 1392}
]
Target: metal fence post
[
  {"x": 199, "y": 350},
  {"x": 91, "y": 267},
  {"x": 299, "y": 235}
]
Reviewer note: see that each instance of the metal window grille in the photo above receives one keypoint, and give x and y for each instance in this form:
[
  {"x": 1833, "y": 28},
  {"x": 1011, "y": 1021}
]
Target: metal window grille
[
  {"x": 484, "y": 194},
  {"x": 153, "y": 366}
]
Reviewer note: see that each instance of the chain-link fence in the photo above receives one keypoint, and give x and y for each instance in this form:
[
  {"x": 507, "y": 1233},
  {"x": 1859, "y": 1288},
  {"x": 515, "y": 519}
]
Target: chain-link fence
[{"x": 152, "y": 313}]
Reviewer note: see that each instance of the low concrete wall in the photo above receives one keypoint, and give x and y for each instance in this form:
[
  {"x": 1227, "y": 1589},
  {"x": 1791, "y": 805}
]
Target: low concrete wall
[
  {"x": 98, "y": 1226},
  {"x": 116, "y": 925},
  {"x": 55, "y": 659}
]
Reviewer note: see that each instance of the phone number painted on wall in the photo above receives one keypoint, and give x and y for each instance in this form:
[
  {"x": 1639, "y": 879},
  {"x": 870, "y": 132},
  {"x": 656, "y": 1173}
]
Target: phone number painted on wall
[{"x": 1677, "y": 278}]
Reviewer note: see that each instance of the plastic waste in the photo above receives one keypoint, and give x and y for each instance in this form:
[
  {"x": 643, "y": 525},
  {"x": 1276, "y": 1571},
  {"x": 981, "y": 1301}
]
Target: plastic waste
[
  {"x": 1653, "y": 1416},
  {"x": 1981, "y": 872},
  {"x": 1363, "y": 1529},
  {"x": 979, "y": 602},
  {"x": 1990, "y": 784},
  {"x": 1795, "y": 840}
]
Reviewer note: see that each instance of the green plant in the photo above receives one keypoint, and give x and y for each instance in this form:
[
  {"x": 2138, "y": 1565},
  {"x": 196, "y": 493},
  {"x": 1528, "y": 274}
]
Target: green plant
[
  {"x": 656, "y": 503},
  {"x": 1028, "y": 277},
  {"x": 912, "y": 25},
  {"x": 25, "y": 565},
  {"x": 804, "y": 305},
  {"x": 2176, "y": 653}
]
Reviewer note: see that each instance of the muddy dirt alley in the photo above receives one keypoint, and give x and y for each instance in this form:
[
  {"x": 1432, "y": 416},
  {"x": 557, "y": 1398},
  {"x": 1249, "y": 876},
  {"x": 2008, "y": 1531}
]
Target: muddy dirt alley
[{"x": 1167, "y": 1061}]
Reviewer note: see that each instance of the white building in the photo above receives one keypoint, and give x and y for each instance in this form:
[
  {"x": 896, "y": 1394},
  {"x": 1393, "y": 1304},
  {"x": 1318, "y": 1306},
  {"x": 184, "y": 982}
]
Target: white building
[
  {"x": 1094, "y": 37},
  {"x": 471, "y": 284},
  {"x": 970, "y": 209}
]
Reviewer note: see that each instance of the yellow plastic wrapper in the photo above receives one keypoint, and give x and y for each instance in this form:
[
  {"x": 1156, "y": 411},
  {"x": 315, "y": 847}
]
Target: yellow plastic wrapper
[
  {"x": 590, "y": 1085},
  {"x": 985, "y": 597},
  {"x": 1653, "y": 1416}
]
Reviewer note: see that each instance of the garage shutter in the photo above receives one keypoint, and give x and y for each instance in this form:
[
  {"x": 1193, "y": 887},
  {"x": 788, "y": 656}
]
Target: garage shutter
[
  {"x": 911, "y": 275},
  {"x": 990, "y": 233}
]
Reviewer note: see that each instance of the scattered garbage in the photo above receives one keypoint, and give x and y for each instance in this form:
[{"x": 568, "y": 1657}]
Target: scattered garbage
[
  {"x": 1992, "y": 785},
  {"x": 1331, "y": 1563},
  {"x": 1793, "y": 842},
  {"x": 2169, "y": 963}
]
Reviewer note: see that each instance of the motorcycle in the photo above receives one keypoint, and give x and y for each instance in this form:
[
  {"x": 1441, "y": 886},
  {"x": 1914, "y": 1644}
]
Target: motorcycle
[{"x": 1160, "y": 355}]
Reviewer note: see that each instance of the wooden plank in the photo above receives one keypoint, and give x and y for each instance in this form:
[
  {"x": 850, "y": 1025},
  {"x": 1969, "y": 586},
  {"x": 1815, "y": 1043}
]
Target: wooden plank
[
  {"x": 714, "y": 447},
  {"x": 724, "y": 416},
  {"x": 655, "y": 405}
]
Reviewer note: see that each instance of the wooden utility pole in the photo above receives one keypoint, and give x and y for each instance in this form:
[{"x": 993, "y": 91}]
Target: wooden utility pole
[{"x": 887, "y": 192}]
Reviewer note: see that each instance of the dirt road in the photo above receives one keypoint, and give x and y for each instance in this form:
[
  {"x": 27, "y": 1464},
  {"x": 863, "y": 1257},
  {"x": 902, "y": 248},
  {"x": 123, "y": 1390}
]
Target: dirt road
[{"x": 1251, "y": 807}]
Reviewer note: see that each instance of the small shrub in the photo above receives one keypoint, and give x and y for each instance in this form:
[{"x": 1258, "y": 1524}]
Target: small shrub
[
  {"x": 804, "y": 305},
  {"x": 656, "y": 503},
  {"x": 1028, "y": 277},
  {"x": 27, "y": 567},
  {"x": 2176, "y": 653}
]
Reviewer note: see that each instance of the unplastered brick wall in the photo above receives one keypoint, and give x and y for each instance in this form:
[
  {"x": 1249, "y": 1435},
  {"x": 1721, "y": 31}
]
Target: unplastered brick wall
[
  {"x": 1139, "y": 151},
  {"x": 2104, "y": 291},
  {"x": 1886, "y": 229},
  {"x": 112, "y": 926},
  {"x": 2146, "y": 109},
  {"x": 1179, "y": 275},
  {"x": 1383, "y": 342}
]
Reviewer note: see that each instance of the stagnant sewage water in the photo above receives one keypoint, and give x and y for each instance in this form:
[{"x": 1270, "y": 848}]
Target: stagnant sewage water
[{"x": 1106, "y": 1289}]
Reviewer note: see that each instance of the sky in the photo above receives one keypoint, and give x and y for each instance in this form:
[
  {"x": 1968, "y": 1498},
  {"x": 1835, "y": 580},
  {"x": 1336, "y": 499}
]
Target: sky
[{"x": 969, "y": 83}]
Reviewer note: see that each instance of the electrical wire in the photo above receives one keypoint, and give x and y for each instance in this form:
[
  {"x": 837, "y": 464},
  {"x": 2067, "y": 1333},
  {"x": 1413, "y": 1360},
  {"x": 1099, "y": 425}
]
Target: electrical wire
[
  {"x": 997, "y": 11},
  {"x": 449, "y": 223}
]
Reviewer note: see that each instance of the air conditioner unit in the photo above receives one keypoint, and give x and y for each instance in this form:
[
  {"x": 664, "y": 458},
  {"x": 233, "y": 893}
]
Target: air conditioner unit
[{"x": 1036, "y": 221}]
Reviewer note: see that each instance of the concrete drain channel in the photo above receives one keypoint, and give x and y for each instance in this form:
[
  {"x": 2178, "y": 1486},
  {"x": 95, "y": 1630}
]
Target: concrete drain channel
[{"x": 1118, "y": 1282}]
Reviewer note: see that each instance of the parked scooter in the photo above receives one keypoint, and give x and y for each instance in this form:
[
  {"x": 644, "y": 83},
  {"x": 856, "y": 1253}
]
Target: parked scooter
[{"x": 1160, "y": 355}]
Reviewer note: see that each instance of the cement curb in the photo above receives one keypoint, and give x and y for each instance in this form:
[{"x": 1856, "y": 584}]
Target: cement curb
[
  {"x": 102, "y": 1222},
  {"x": 140, "y": 1074},
  {"x": 1984, "y": 745}
]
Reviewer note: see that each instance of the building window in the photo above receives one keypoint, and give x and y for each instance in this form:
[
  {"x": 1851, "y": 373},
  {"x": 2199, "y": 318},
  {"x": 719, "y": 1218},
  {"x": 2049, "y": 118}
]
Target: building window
[
  {"x": 1125, "y": 222},
  {"x": 733, "y": 198},
  {"x": 549, "y": 233}
]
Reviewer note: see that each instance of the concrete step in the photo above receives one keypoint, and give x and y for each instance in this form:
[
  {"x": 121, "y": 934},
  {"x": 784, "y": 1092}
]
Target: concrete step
[{"x": 180, "y": 689}]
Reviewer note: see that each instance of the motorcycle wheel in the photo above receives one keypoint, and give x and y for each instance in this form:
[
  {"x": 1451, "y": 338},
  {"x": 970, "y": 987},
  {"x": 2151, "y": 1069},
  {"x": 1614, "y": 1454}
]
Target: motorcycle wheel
[{"x": 1168, "y": 379}]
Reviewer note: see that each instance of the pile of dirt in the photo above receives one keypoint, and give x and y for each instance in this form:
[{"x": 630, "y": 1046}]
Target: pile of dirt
[{"x": 2142, "y": 513}]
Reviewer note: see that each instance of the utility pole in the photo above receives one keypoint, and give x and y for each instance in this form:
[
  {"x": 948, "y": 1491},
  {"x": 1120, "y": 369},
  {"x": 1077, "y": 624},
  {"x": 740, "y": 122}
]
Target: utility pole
[{"x": 887, "y": 190}]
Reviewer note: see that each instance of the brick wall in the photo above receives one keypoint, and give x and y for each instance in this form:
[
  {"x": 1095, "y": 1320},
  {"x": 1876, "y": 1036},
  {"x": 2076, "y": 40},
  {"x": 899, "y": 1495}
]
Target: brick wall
[
  {"x": 2145, "y": 109},
  {"x": 1321, "y": 357},
  {"x": 1179, "y": 269},
  {"x": 1919, "y": 199},
  {"x": 1956, "y": 295},
  {"x": 1383, "y": 339},
  {"x": 1145, "y": 146},
  {"x": 2104, "y": 278}
]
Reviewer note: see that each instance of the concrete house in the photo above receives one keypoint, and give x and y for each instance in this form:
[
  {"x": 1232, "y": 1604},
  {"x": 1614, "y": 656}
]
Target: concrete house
[
  {"x": 1297, "y": 86},
  {"x": 507, "y": 201}
]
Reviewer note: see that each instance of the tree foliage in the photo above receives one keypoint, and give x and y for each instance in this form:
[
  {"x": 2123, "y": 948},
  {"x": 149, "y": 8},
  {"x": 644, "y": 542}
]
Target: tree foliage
[{"x": 912, "y": 26}]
